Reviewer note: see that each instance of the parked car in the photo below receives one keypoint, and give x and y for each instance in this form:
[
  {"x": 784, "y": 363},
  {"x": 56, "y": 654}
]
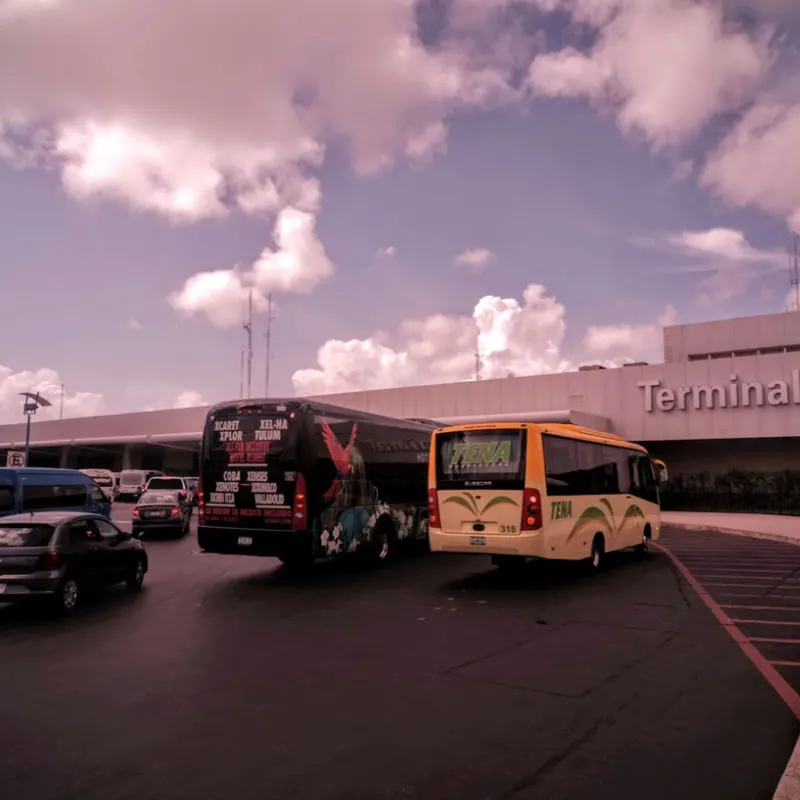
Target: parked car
[
  {"x": 132, "y": 482},
  {"x": 39, "y": 489},
  {"x": 159, "y": 510},
  {"x": 60, "y": 555},
  {"x": 169, "y": 483},
  {"x": 104, "y": 478}
]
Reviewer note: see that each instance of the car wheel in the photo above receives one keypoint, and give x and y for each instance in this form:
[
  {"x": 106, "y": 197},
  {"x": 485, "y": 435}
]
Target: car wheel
[
  {"x": 136, "y": 579},
  {"x": 67, "y": 595}
]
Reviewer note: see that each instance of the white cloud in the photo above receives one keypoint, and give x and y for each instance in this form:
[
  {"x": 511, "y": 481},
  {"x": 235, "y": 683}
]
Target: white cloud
[
  {"x": 189, "y": 399},
  {"x": 758, "y": 162},
  {"x": 387, "y": 252},
  {"x": 634, "y": 66},
  {"x": 297, "y": 264},
  {"x": 725, "y": 243},
  {"x": 135, "y": 325},
  {"x": 48, "y": 383},
  {"x": 623, "y": 342},
  {"x": 233, "y": 109},
  {"x": 512, "y": 338},
  {"x": 475, "y": 260},
  {"x": 728, "y": 263}
]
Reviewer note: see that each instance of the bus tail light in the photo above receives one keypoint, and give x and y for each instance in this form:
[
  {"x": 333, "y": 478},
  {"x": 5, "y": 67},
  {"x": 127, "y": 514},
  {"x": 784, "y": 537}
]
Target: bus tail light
[
  {"x": 300, "y": 507},
  {"x": 201, "y": 504},
  {"x": 433, "y": 509},
  {"x": 531, "y": 510}
]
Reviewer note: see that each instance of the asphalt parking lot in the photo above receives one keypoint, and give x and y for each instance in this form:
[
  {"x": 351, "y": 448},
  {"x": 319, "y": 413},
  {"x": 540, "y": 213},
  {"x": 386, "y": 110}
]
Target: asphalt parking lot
[{"x": 434, "y": 679}]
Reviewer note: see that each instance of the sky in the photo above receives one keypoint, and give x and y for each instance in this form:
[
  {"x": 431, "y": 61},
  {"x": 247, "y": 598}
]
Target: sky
[{"x": 420, "y": 187}]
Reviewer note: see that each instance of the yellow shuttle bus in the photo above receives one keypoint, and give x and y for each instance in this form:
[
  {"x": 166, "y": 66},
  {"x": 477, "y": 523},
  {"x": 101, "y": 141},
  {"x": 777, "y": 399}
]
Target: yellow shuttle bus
[{"x": 546, "y": 490}]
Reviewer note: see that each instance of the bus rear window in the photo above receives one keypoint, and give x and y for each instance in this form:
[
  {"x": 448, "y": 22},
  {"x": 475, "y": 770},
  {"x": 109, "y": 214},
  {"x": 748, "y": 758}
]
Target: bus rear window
[
  {"x": 492, "y": 457},
  {"x": 248, "y": 437}
]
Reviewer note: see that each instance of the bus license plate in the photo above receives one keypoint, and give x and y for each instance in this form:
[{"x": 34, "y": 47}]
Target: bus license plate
[
  {"x": 245, "y": 541},
  {"x": 477, "y": 541}
]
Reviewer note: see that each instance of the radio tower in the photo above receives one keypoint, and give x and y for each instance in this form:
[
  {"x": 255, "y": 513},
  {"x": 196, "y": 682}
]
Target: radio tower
[
  {"x": 795, "y": 273},
  {"x": 248, "y": 329},
  {"x": 241, "y": 374},
  {"x": 268, "y": 342}
]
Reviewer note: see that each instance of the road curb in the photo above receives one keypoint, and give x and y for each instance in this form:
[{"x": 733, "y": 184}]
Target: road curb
[
  {"x": 774, "y": 537},
  {"x": 789, "y": 784}
]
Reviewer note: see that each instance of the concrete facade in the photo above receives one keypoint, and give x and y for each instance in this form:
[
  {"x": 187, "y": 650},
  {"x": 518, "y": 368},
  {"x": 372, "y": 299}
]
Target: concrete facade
[{"x": 727, "y": 396}]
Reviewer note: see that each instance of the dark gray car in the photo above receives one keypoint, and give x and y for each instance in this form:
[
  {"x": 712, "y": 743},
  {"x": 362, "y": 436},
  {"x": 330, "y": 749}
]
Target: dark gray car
[
  {"x": 159, "y": 510},
  {"x": 59, "y": 555}
]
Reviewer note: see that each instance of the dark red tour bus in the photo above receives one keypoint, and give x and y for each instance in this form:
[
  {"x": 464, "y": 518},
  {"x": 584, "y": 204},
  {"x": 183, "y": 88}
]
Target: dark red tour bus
[{"x": 301, "y": 480}]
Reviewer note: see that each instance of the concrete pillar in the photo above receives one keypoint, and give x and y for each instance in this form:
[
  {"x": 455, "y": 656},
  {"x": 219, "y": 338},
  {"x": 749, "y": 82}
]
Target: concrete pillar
[
  {"x": 127, "y": 457},
  {"x": 64, "y": 460}
]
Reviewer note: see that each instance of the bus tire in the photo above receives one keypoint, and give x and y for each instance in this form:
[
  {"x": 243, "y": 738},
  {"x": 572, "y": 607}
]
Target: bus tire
[
  {"x": 597, "y": 553},
  {"x": 646, "y": 537},
  {"x": 383, "y": 542}
]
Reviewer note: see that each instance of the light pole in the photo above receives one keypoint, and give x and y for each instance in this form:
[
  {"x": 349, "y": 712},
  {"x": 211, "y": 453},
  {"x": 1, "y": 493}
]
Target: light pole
[{"x": 32, "y": 403}]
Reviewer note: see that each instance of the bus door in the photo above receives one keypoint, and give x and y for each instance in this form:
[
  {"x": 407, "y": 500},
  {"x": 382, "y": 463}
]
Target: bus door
[{"x": 480, "y": 480}]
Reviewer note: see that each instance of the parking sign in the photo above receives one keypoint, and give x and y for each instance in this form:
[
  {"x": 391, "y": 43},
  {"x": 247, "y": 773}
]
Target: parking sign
[{"x": 15, "y": 458}]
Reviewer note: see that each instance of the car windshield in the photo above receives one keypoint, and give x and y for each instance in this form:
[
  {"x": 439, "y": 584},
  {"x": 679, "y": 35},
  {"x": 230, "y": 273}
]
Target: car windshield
[
  {"x": 158, "y": 499},
  {"x": 25, "y": 535},
  {"x": 100, "y": 481},
  {"x": 165, "y": 483}
]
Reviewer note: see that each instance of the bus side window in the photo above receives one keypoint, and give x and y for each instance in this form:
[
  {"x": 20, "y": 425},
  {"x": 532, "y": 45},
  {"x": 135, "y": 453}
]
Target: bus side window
[
  {"x": 561, "y": 466},
  {"x": 612, "y": 476},
  {"x": 648, "y": 480},
  {"x": 634, "y": 474}
]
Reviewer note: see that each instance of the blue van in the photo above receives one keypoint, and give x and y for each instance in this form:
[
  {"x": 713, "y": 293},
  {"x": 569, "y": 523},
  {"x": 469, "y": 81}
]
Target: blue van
[{"x": 32, "y": 489}]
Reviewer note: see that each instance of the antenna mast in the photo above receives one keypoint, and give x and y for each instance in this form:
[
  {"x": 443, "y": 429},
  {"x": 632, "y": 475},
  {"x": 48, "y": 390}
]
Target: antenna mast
[
  {"x": 61, "y": 404},
  {"x": 248, "y": 329},
  {"x": 795, "y": 279},
  {"x": 268, "y": 341},
  {"x": 477, "y": 363},
  {"x": 241, "y": 373}
]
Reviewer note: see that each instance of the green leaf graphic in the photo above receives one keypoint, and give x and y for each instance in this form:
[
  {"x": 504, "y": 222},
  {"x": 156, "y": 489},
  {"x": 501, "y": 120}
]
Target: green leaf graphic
[
  {"x": 607, "y": 503},
  {"x": 497, "y": 501},
  {"x": 591, "y": 514},
  {"x": 633, "y": 512},
  {"x": 461, "y": 501},
  {"x": 472, "y": 500}
]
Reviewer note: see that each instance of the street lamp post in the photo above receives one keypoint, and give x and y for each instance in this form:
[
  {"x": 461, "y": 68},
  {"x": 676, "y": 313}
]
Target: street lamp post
[{"x": 32, "y": 403}]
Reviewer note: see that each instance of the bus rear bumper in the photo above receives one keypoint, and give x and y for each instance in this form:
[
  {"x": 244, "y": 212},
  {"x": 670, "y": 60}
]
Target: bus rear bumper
[
  {"x": 247, "y": 542},
  {"x": 520, "y": 544}
]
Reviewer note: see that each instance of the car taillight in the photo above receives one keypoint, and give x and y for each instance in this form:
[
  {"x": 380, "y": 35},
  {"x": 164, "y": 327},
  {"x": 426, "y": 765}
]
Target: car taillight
[
  {"x": 300, "y": 507},
  {"x": 531, "y": 510},
  {"x": 48, "y": 561},
  {"x": 175, "y": 511},
  {"x": 433, "y": 509},
  {"x": 135, "y": 512}
]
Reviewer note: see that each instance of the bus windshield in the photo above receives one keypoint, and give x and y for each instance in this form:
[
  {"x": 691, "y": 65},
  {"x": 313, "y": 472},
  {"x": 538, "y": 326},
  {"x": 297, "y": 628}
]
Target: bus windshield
[{"x": 486, "y": 457}]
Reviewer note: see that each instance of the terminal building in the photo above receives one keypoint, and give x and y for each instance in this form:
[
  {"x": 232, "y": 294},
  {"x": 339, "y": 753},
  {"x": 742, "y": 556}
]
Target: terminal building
[{"x": 726, "y": 397}]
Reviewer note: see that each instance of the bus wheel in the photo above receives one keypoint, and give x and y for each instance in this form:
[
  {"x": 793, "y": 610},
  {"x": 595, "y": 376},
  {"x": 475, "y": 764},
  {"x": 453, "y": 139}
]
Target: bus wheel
[
  {"x": 646, "y": 536},
  {"x": 383, "y": 541},
  {"x": 598, "y": 553}
]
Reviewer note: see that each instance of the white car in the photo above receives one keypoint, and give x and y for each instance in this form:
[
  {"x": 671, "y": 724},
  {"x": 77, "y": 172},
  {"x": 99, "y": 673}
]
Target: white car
[{"x": 105, "y": 479}]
